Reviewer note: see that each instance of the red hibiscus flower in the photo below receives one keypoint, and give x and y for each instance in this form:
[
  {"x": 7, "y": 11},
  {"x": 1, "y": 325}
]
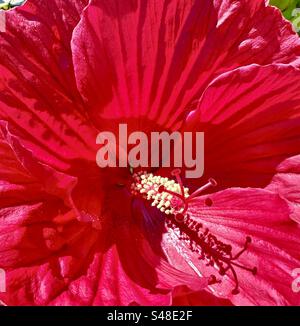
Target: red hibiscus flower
[{"x": 74, "y": 234}]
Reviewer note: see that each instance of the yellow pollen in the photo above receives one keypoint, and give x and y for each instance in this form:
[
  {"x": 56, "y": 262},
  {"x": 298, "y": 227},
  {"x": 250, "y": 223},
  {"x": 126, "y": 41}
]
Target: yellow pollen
[{"x": 147, "y": 186}]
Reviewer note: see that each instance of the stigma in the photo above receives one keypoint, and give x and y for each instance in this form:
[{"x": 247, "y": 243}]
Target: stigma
[{"x": 188, "y": 234}]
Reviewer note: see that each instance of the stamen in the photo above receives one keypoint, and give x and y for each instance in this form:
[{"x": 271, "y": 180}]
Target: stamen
[
  {"x": 211, "y": 183},
  {"x": 173, "y": 199},
  {"x": 208, "y": 202},
  {"x": 165, "y": 194},
  {"x": 216, "y": 253},
  {"x": 176, "y": 173}
]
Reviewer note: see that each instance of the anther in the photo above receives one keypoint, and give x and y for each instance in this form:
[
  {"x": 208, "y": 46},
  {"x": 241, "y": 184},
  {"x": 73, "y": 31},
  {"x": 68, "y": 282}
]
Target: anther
[
  {"x": 211, "y": 183},
  {"x": 179, "y": 217},
  {"x": 213, "y": 280},
  {"x": 208, "y": 202}
]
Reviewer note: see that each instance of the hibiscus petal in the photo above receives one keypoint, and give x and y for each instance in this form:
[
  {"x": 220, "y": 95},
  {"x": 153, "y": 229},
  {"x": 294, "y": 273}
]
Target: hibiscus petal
[
  {"x": 50, "y": 258},
  {"x": 43, "y": 262},
  {"x": 50, "y": 180},
  {"x": 36, "y": 234},
  {"x": 28, "y": 236},
  {"x": 251, "y": 118},
  {"x": 11, "y": 170},
  {"x": 201, "y": 298},
  {"x": 87, "y": 268},
  {"x": 118, "y": 286},
  {"x": 274, "y": 250},
  {"x": 38, "y": 93},
  {"x": 16, "y": 185},
  {"x": 150, "y": 59},
  {"x": 286, "y": 182},
  {"x": 42, "y": 247}
]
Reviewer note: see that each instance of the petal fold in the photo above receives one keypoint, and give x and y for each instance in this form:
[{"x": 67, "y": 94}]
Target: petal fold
[{"x": 250, "y": 117}]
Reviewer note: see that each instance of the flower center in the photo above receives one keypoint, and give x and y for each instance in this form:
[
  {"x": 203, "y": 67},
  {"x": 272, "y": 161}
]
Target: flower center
[{"x": 186, "y": 234}]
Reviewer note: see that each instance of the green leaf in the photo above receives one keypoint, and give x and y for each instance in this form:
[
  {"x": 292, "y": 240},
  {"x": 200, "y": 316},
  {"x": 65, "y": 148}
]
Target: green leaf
[
  {"x": 281, "y": 4},
  {"x": 290, "y": 10}
]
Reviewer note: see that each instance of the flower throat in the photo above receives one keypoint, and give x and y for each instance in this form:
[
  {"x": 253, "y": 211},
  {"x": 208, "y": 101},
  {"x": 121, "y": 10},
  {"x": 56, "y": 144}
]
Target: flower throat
[{"x": 186, "y": 234}]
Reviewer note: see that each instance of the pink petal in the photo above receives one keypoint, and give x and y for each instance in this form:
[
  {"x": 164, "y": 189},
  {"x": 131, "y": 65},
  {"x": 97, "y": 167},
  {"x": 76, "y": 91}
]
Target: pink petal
[
  {"x": 274, "y": 250},
  {"x": 42, "y": 263},
  {"x": 149, "y": 60},
  {"x": 286, "y": 182},
  {"x": 50, "y": 258},
  {"x": 17, "y": 186},
  {"x": 128, "y": 279},
  {"x": 26, "y": 214},
  {"x": 50, "y": 180},
  {"x": 80, "y": 266},
  {"x": 34, "y": 250},
  {"x": 38, "y": 93},
  {"x": 250, "y": 117},
  {"x": 201, "y": 298}
]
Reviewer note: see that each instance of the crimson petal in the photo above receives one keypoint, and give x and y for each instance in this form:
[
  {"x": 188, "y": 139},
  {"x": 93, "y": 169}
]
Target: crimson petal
[
  {"x": 251, "y": 118},
  {"x": 286, "y": 182},
  {"x": 237, "y": 214},
  {"x": 38, "y": 93},
  {"x": 150, "y": 59}
]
